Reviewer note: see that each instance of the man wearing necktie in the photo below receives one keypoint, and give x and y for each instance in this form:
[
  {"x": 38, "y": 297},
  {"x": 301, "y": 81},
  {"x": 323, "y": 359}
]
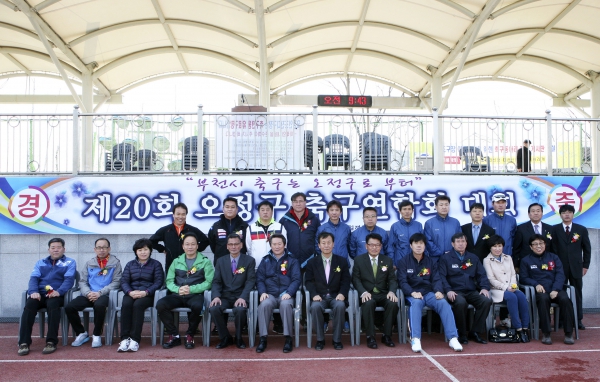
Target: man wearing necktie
[
  {"x": 234, "y": 279},
  {"x": 526, "y": 230},
  {"x": 328, "y": 282},
  {"x": 477, "y": 232},
  {"x": 571, "y": 242},
  {"x": 374, "y": 280}
]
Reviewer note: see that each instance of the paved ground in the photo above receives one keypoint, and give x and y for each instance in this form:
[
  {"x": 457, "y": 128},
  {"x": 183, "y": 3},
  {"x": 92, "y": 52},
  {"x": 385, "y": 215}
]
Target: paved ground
[{"x": 491, "y": 362}]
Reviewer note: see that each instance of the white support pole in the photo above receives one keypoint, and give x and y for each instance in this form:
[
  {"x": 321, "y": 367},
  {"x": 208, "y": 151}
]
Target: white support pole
[
  {"x": 438, "y": 146},
  {"x": 549, "y": 152},
  {"x": 315, "y": 143},
  {"x": 436, "y": 92},
  {"x": 263, "y": 66},
  {"x": 76, "y": 150},
  {"x": 595, "y": 98},
  {"x": 200, "y": 149},
  {"x": 87, "y": 141}
]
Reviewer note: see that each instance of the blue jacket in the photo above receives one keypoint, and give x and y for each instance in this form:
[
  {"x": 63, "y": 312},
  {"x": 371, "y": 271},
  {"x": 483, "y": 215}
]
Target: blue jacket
[
  {"x": 532, "y": 271},
  {"x": 505, "y": 226},
  {"x": 357, "y": 242},
  {"x": 147, "y": 277},
  {"x": 418, "y": 276},
  {"x": 455, "y": 278},
  {"x": 301, "y": 242},
  {"x": 439, "y": 231},
  {"x": 341, "y": 233},
  {"x": 271, "y": 280},
  {"x": 400, "y": 234},
  {"x": 59, "y": 274}
]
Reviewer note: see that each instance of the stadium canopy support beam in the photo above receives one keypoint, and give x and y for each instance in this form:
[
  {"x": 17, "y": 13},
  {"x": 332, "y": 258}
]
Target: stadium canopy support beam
[
  {"x": 595, "y": 96},
  {"x": 263, "y": 65}
]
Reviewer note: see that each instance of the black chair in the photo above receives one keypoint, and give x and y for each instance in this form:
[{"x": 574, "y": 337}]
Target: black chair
[
  {"x": 146, "y": 160},
  {"x": 190, "y": 153},
  {"x": 374, "y": 151},
  {"x": 121, "y": 158},
  {"x": 308, "y": 148},
  {"x": 337, "y": 151},
  {"x": 473, "y": 159}
]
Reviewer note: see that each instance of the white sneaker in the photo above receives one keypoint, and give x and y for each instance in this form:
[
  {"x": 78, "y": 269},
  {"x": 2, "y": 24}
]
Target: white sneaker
[
  {"x": 96, "y": 342},
  {"x": 133, "y": 345},
  {"x": 506, "y": 322},
  {"x": 124, "y": 345},
  {"x": 415, "y": 344},
  {"x": 81, "y": 339},
  {"x": 455, "y": 345}
]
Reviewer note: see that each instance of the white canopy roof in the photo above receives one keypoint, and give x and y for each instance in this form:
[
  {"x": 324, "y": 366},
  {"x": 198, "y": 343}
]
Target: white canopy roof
[{"x": 547, "y": 44}]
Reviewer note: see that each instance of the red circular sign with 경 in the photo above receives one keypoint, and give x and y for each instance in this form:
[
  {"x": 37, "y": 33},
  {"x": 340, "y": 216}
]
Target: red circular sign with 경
[
  {"x": 345, "y": 100},
  {"x": 29, "y": 205}
]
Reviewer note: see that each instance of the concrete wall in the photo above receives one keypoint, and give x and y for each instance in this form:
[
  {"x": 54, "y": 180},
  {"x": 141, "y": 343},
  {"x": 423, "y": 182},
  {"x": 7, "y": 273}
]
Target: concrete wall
[{"x": 18, "y": 254}]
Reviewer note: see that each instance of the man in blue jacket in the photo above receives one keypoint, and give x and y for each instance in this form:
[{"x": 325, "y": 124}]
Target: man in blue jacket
[
  {"x": 340, "y": 230},
  {"x": 301, "y": 226},
  {"x": 402, "y": 231},
  {"x": 543, "y": 270},
  {"x": 358, "y": 238},
  {"x": 277, "y": 281},
  {"x": 440, "y": 228},
  {"x": 50, "y": 279},
  {"x": 465, "y": 282},
  {"x": 504, "y": 225}
]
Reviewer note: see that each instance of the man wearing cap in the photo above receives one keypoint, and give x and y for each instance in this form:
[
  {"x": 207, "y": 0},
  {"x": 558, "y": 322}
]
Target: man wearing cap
[
  {"x": 502, "y": 223},
  {"x": 524, "y": 157}
]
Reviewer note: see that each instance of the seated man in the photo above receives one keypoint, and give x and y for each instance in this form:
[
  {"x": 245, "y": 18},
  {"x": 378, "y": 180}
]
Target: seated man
[
  {"x": 277, "y": 281},
  {"x": 235, "y": 277},
  {"x": 328, "y": 282},
  {"x": 50, "y": 279},
  {"x": 374, "y": 279},
  {"x": 101, "y": 274},
  {"x": 420, "y": 282},
  {"x": 189, "y": 276},
  {"x": 465, "y": 282},
  {"x": 543, "y": 270}
]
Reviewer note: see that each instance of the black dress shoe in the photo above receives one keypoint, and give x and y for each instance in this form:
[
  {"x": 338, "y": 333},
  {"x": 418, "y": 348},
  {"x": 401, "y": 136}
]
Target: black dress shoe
[
  {"x": 338, "y": 345},
  {"x": 239, "y": 343},
  {"x": 581, "y": 326},
  {"x": 320, "y": 345},
  {"x": 189, "y": 342},
  {"x": 225, "y": 342},
  {"x": 172, "y": 342},
  {"x": 463, "y": 340},
  {"x": 387, "y": 341},
  {"x": 477, "y": 338},
  {"x": 262, "y": 345},
  {"x": 371, "y": 343},
  {"x": 524, "y": 336},
  {"x": 288, "y": 347}
]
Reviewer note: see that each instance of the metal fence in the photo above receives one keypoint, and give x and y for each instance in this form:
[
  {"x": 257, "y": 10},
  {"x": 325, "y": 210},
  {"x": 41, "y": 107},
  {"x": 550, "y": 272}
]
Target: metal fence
[{"x": 292, "y": 143}]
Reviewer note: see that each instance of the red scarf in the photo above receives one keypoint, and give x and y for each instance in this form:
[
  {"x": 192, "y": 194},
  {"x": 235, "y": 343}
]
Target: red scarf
[{"x": 300, "y": 221}]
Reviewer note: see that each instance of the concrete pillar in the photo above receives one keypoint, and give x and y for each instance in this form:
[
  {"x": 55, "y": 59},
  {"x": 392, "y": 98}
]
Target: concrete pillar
[
  {"x": 87, "y": 133},
  {"x": 595, "y": 101},
  {"x": 264, "y": 95},
  {"x": 436, "y": 92}
]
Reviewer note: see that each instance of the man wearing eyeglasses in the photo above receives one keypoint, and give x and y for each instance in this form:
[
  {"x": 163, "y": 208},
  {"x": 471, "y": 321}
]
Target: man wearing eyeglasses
[
  {"x": 234, "y": 278},
  {"x": 101, "y": 274},
  {"x": 543, "y": 270},
  {"x": 374, "y": 280}
]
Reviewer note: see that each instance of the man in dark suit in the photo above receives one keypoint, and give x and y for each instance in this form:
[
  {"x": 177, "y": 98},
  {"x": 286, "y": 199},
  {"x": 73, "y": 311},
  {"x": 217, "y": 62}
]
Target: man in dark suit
[
  {"x": 234, "y": 279},
  {"x": 571, "y": 242},
  {"x": 526, "y": 230},
  {"x": 374, "y": 280},
  {"x": 477, "y": 232},
  {"x": 524, "y": 157},
  {"x": 328, "y": 282}
]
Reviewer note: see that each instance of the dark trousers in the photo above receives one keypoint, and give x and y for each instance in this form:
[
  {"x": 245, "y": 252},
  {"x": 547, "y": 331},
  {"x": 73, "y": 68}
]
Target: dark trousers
[
  {"x": 578, "y": 284},
  {"x": 193, "y": 301},
  {"x": 567, "y": 316},
  {"x": 32, "y": 305},
  {"x": 338, "y": 308},
  {"x": 240, "y": 316},
  {"x": 368, "y": 313},
  {"x": 132, "y": 316},
  {"x": 80, "y": 303},
  {"x": 460, "y": 304}
]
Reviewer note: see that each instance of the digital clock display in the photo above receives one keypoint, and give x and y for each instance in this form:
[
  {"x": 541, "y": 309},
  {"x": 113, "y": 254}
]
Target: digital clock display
[{"x": 345, "y": 101}]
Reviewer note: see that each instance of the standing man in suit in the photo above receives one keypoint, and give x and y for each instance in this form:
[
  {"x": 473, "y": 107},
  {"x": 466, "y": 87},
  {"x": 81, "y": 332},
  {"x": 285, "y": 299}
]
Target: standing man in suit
[
  {"x": 235, "y": 277},
  {"x": 374, "y": 280},
  {"x": 524, "y": 157},
  {"x": 172, "y": 236},
  {"x": 526, "y": 230},
  {"x": 571, "y": 242},
  {"x": 328, "y": 282},
  {"x": 477, "y": 232}
]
